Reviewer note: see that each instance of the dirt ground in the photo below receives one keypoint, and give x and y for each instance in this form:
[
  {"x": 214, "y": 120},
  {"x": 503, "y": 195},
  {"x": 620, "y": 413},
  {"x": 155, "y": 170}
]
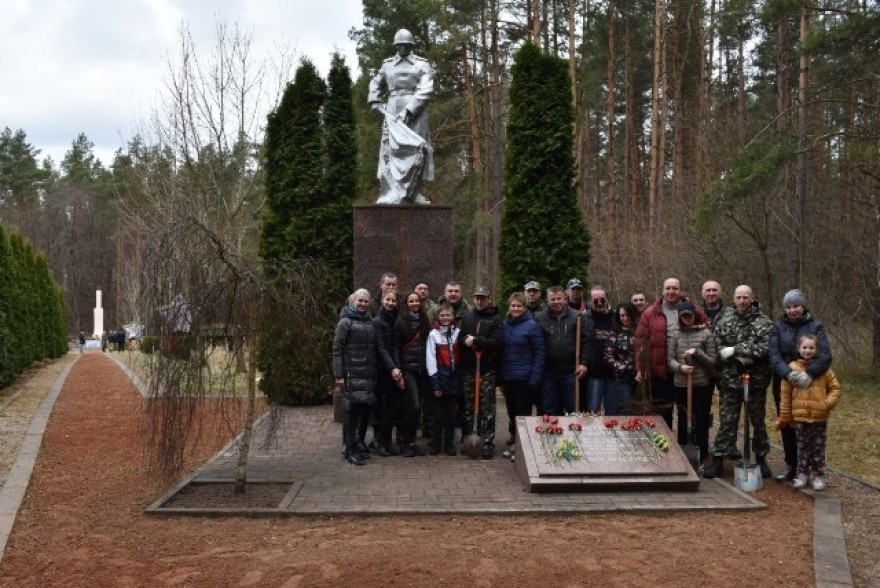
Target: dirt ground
[{"x": 83, "y": 523}]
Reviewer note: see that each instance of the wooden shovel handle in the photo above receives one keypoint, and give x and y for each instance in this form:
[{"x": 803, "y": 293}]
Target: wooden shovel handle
[
  {"x": 690, "y": 400},
  {"x": 577, "y": 362},
  {"x": 478, "y": 353}
]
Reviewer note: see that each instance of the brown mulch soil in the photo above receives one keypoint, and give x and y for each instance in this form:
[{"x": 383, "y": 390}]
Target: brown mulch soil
[
  {"x": 83, "y": 523},
  {"x": 207, "y": 495}
]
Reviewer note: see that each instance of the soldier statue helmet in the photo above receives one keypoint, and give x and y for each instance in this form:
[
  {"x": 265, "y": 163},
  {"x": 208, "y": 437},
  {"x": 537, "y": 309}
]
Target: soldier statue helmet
[{"x": 403, "y": 37}]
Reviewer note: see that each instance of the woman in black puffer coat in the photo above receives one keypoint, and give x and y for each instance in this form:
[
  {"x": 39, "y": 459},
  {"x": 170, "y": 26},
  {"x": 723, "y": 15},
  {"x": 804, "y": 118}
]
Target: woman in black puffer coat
[
  {"x": 412, "y": 332},
  {"x": 354, "y": 368}
]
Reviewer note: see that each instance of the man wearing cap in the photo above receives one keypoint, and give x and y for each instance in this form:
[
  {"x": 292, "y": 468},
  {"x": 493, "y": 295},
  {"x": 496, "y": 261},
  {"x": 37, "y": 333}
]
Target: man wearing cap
[
  {"x": 656, "y": 326},
  {"x": 692, "y": 355},
  {"x": 796, "y": 322},
  {"x": 481, "y": 334},
  {"x": 742, "y": 337},
  {"x": 534, "y": 302},
  {"x": 559, "y": 324},
  {"x": 574, "y": 291}
]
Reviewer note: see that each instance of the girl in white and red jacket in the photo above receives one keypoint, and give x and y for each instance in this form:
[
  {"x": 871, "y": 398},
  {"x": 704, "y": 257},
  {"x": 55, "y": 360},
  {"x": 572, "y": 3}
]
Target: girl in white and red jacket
[{"x": 442, "y": 358}]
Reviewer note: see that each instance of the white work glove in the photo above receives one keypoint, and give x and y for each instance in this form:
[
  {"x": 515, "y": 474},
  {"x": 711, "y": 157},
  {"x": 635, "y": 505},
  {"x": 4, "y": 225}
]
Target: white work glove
[
  {"x": 804, "y": 380},
  {"x": 726, "y": 352}
]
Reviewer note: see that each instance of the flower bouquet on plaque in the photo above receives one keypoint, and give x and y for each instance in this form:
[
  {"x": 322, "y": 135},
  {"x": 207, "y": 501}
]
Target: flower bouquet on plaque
[
  {"x": 657, "y": 443},
  {"x": 550, "y": 433},
  {"x": 660, "y": 442},
  {"x": 634, "y": 426},
  {"x": 571, "y": 448},
  {"x": 614, "y": 426}
]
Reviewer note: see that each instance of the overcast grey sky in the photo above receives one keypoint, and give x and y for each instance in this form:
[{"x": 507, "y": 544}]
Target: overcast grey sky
[{"x": 95, "y": 66}]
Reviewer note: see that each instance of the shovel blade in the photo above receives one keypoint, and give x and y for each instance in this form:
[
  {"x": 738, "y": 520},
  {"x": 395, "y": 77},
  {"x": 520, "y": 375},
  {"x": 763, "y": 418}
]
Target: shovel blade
[
  {"x": 471, "y": 446},
  {"x": 747, "y": 478}
]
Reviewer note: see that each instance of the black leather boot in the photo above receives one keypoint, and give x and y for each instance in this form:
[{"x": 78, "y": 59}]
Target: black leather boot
[
  {"x": 363, "y": 450},
  {"x": 355, "y": 457},
  {"x": 714, "y": 470},
  {"x": 766, "y": 472}
]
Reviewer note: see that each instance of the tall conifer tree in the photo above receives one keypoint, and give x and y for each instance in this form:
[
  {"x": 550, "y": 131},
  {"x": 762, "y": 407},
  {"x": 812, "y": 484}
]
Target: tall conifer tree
[
  {"x": 310, "y": 186},
  {"x": 543, "y": 236},
  {"x": 294, "y": 169},
  {"x": 341, "y": 176}
]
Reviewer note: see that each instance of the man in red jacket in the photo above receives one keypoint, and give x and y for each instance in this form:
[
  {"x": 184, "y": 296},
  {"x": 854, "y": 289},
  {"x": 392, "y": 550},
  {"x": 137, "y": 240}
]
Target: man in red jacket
[{"x": 659, "y": 321}]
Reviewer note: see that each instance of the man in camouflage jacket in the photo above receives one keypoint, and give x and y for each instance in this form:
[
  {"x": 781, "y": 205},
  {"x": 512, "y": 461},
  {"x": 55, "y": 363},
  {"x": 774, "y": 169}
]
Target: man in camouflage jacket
[{"x": 742, "y": 337}]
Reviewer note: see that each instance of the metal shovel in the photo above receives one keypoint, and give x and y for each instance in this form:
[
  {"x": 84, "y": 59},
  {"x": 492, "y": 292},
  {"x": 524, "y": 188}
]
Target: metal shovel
[
  {"x": 747, "y": 477},
  {"x": 473, "y": 444},
  {"x": 691, "y": 452}
]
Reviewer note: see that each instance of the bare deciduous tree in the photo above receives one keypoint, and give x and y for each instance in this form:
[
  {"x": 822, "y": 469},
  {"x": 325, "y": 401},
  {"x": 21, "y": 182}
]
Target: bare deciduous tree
[{"x": 191, "y": 211}]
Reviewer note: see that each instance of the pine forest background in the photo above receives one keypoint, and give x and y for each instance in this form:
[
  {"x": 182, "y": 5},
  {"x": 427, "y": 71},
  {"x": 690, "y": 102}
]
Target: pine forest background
[{"x": 725, "y": 139}]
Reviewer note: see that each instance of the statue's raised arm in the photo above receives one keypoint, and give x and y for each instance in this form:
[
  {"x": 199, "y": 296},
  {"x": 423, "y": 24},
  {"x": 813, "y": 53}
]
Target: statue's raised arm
[{"x": 406, "y": 157}]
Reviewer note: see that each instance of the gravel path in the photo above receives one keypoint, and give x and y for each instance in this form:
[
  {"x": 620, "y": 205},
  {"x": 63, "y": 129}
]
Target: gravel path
[{"x": 861, "y": 503}]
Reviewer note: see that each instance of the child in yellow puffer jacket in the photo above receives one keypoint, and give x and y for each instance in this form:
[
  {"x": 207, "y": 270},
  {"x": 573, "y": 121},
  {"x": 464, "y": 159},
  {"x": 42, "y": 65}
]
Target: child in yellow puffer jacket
[{"x": 808, "y": 409}]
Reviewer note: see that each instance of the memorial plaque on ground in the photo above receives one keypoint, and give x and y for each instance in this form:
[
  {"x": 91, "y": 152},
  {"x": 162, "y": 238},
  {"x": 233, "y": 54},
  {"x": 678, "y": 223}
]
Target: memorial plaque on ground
[{"x": 586, "y": 454}]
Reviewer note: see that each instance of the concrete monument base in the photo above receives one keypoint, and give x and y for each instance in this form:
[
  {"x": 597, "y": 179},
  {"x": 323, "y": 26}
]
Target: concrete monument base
[
  {"x": 412, "y": 241},
  {"x": 609, "y": 458}
]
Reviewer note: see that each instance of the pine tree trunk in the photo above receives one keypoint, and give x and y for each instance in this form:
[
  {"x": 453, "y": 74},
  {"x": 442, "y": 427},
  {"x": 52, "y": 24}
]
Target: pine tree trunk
[
  {"x": 802, "y": 180},
  {"x": 609, "y": 120},
  {"x": 495, "y": 115},
  {"x": 536, "y": 21},
  {"x": 572, "y": 71},
  {"x": 658, "y": 115}
]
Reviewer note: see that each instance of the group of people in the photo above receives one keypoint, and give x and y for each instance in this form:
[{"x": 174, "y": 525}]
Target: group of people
[{"x": 436, "y": 365}]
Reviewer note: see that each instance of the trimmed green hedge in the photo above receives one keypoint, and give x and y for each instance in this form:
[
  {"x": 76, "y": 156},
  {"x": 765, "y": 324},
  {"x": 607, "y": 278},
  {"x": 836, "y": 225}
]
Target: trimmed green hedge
[{"x": 33, "y": 319}]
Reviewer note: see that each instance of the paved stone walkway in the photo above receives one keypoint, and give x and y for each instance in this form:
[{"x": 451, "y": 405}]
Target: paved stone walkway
[{"x": 307, "y": 453}]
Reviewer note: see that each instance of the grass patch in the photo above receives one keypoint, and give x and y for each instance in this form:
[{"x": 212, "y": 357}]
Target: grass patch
[
  {"x": 853, "y": 430},
  {"x": 219, "y": 374}
]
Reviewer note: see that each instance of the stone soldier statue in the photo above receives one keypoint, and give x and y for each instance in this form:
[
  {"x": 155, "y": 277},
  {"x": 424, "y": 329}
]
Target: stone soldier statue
[{"x": 406, "y": 157}]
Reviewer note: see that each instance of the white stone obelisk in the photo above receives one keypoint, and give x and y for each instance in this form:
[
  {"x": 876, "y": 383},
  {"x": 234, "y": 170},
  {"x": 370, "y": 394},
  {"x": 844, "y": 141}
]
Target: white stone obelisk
[{"x": 99, "y": 315}]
